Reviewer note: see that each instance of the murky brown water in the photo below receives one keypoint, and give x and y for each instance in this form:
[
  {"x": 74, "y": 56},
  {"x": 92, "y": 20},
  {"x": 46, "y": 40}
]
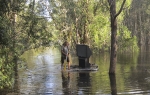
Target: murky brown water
[{"x": 43, "y": 76}]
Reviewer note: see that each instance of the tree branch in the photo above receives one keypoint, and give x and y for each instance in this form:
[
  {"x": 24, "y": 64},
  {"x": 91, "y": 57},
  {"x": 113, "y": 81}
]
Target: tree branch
[{"x": 120, "y": 9}]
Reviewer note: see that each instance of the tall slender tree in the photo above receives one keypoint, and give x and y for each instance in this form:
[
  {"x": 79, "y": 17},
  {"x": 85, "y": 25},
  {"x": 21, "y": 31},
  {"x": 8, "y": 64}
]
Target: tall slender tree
[{"x": 113, "y": 15}]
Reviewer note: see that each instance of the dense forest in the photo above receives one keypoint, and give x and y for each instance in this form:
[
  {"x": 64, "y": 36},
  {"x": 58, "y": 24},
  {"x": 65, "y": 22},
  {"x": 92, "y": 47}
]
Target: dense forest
[
  {"x": 137, "y": 21},
  {"x": 29, "y": 24}
]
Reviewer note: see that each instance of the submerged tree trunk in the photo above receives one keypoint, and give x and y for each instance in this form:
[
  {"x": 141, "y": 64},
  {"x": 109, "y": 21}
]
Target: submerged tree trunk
[
  {"x": 113, "y": 15},
  {"x": 112, "y": 78}
]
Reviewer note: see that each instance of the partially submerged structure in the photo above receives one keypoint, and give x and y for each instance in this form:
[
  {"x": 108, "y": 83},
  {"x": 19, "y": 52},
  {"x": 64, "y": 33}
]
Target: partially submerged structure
[{"x": 84, "y": 53}]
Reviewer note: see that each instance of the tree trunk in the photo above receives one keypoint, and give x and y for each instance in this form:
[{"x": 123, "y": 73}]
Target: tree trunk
[
  {"x": 113, "y": 56},
  {"x": 112, "y": 78},
  {"x": 113, "y": 15}
]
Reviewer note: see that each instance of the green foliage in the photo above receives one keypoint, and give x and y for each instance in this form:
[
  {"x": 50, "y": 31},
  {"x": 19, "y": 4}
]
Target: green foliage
[
  {"x": 100, "y": 34},
  {"x": 4, "y": 29},
  {"x": 88, "y": 22},
  {"x": 6, "y": 74},
  {"x": 137, "y": 21},
  {"x": 80, "y": 20},
  {"x": 22, "y": 27},
  {"x": 125, "y": 41}
]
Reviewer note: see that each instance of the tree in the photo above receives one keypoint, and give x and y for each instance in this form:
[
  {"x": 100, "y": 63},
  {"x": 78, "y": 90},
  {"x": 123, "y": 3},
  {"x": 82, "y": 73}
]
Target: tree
[
  {"x": 113, "y": 16},
  {"x": 21, "y": 28},
  {"x": 82, "y": 21},
  {"x": 137, "y": 21}
]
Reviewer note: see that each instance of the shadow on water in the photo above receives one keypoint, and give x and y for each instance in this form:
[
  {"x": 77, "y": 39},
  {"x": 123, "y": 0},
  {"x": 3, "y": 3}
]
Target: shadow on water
[{"x": 42, "y": 75}]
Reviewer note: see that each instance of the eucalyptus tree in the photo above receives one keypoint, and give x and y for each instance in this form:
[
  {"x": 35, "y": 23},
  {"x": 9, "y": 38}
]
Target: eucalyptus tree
[
  {"x": 87, "y": 22},
  {"x": 35, "y": 26},
  {"x": 22, "y": 27},
  {"x": 113, "y": 16},
  {"x": 137, "y": 20},
  {"x": 81, "y": 21},
  {"x": 63, "y": 17},
  {"x": 8, "y": 10}
]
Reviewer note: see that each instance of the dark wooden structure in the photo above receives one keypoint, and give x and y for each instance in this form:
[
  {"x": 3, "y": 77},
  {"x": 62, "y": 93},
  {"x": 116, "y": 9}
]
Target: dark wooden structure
[{"x": 83, "y": 53}]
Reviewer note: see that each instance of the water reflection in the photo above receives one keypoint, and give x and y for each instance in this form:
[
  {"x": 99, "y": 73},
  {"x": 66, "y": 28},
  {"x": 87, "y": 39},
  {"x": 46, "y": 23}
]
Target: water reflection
[
  {"x": 112, "y": 78},
  {"x": 43, "y": 76},
  {"x": 83, "y": 83},
  {"x": 66, "y": 82}
]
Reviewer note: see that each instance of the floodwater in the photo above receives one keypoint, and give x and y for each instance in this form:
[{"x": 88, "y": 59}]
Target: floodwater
[{"x": 42, "y": 75}]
